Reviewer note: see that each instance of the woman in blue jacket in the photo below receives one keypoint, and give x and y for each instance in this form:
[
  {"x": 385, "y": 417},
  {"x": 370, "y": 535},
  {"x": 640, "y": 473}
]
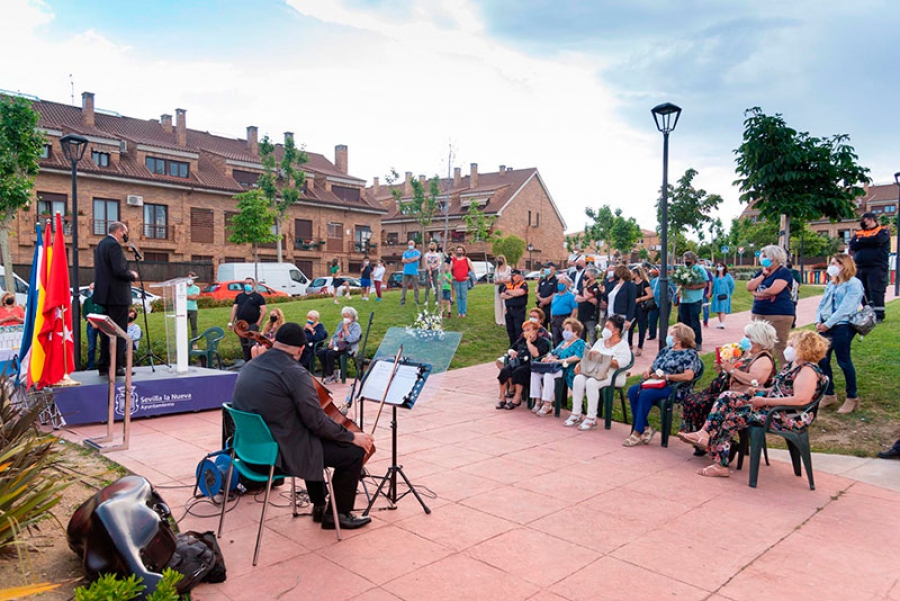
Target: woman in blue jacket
[
  {"x": 842, "y": 298},
  {"x": 722, "y": 291}
]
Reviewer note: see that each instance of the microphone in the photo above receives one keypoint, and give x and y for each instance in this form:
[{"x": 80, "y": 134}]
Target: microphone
[{"x": 136, "y": 252}]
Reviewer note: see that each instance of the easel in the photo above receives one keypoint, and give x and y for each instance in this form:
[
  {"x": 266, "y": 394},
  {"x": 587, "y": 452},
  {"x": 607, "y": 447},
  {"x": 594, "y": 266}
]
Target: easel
[
  {"x": 106, "y": 325},
  {"x": 399, "y": 384}
]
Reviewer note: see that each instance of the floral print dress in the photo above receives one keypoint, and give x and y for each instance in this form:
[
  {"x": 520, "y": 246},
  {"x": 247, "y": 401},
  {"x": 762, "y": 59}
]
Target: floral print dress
[
  {"x": 576, "y": 349},
  {"x": 733, "y": 412}
]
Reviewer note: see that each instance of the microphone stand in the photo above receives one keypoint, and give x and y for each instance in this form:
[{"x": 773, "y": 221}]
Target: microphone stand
[{"x": 149, "y": 355}]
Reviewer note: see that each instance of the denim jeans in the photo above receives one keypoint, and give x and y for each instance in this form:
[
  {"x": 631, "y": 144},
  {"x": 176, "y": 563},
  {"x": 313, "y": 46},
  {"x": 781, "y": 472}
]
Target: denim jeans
[
  {"x": 841, "y": 336},
  {"x": 642, "y": 401},
  {"x": 92, "y": 335},
  {"x": 462, "y": 291}
]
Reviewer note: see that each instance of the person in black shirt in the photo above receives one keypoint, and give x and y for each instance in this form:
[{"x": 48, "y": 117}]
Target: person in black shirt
[
  {"x": 871, "y": 249},
  {"x": 249, "y": 306},
  {"x": 515, "y": 295},
  {"x": 546, "y": 290},
  {"x": 588, "y": 305},
  {"x": 365, "y": 278}
]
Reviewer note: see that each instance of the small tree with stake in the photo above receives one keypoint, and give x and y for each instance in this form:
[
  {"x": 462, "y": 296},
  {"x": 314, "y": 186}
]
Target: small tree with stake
[
  {"x": 253, "y": 225},
  {"x": 282, "y": 181}
]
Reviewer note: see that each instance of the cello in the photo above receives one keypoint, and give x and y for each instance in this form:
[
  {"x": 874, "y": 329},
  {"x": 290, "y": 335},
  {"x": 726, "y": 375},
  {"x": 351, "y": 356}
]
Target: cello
[{"x": 242, "y": 329}]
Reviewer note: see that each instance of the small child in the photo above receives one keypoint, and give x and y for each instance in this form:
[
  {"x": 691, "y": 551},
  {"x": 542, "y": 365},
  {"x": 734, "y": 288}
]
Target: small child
[
  {"x": 134, "y": 330},
  {"x": 446, "y": 286}
]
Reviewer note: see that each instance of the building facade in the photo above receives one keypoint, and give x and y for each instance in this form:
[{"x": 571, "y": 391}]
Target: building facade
[{"x": 174, "y": 187}]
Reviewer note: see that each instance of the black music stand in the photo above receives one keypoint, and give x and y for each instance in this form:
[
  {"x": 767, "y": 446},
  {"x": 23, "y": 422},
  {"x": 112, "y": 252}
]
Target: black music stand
[
  {"x": 405, "y": 387},
  {"x": 149, "y": 355}
]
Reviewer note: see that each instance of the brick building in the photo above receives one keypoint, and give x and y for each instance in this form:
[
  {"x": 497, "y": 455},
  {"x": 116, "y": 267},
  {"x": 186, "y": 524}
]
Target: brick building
[
  {"x": 518, "y": 198},
  {"x": 175, "y": 188}
]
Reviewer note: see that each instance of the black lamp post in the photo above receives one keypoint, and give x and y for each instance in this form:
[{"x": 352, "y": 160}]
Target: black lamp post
[
  {"x": 73, "y": 147},
  {"x": 897, "y": 256},
  {"x": 666, "y": 117},
  {"x": 530, "y": 261}
]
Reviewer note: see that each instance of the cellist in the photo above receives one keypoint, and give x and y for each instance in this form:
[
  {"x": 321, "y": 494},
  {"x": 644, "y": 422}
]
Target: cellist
[{"x": 275, "y": 386}]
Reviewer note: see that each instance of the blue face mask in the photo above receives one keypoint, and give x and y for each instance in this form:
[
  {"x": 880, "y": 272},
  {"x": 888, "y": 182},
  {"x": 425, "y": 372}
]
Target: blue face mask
[
  {"x": 765, "y": 262},
  {"x": 745, "y": 344},
  {"x": 670, "y": 341},
  {"x": 248, "y": 289},
  {"x": 567, "y": 335},
  {"x": 561, "y": 287}
]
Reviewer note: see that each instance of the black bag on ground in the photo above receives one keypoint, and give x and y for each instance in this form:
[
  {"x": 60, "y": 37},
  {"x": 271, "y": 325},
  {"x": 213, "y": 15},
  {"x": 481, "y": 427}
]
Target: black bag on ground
[{"x": 198, "y": 558}]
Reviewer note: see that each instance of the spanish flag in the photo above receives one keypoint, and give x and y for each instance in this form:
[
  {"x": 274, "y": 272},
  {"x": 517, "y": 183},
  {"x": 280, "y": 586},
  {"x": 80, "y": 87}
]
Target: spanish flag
[
  {"x": 32, "y": 353},
  {"x": 56, "y": 333}
]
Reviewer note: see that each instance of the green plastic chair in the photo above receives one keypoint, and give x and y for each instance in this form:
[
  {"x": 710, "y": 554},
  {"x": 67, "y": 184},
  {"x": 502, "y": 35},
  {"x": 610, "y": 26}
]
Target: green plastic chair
[
  {"x": 210, "y": 354},
  {"x": 609, "y": 394},
  {"x": 667, "y": 405},
  {"x": 253, "y": 446}
]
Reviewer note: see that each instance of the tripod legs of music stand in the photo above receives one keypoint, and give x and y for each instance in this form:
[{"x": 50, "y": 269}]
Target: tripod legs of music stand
[{"x": 391, "y": 477}]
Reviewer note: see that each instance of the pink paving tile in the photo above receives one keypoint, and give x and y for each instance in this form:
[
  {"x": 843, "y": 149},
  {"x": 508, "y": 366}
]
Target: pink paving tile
[
  {"x": 535, "y": 430},
  {"x": 504, "y": 469},
  {"x": 643, "y": 508},
  {"x": 384, "y": 554},
  {"x": 237, "y": 547},
  {"x": 459, "y": 577},
  {"x": 876, "y": 492},
  {"x": 303, "y": 531},
  {"x": 546, "y": 596},
  {"x": 545, "y": 458},
  {"x": 376, "y": 594},
  {"x": 208, "y": 592},
  {"x": 455, "y": 485},
  {"x": 456, "y": 526},
  {"x": 533, "y": 556},
  {"x": 296, "y": 579},
  {"x": 611, "y": 578},
  {"x": 494, "y": 445},
  {"x": 586, "y": 527},
  {"x": 515, "y": 504},
  {"x": 568, "y": 487},
  {"x": 408, "y": 444},
  {"x": 452, "y": 434},
  {"x": 451, "y": 456}
]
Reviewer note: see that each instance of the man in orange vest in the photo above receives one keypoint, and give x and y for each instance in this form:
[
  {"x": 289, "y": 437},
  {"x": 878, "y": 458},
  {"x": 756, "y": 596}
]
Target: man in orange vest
[{"x": 871, "y": 248}]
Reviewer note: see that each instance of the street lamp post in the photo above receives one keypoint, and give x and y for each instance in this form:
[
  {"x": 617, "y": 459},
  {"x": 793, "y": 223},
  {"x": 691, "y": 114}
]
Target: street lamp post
[
  {"x": 73, "y": 147},
  {"x": 897, "y": 256},
  {"x": 530, "y": 261},
  {"x": 666, "y": 117}
]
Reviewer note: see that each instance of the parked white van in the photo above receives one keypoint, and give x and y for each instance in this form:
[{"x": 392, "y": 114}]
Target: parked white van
[
  {"x": 484, "y": 271},
  {"x": 21, "y": 287},
  {"x": 280, "y": 276}
]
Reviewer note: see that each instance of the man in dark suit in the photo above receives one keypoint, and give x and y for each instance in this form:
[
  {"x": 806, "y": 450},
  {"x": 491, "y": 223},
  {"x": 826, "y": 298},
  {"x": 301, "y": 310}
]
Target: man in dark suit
[
  {"x": 112, "y": 290},
  {"x": 275, "y": 386}
]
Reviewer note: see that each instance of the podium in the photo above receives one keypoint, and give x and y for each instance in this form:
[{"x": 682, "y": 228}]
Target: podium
[
  {"x": 106, "y": 325},
  {"x": 175, "y": 301}
]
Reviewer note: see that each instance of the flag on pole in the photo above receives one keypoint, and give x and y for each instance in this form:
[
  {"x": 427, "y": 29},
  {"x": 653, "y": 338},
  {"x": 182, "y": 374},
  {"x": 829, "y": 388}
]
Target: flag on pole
[
  {"x": 56, "y": 333},
  {"x": 31, "y": 306},
  {"x": 34, "y": 364}
]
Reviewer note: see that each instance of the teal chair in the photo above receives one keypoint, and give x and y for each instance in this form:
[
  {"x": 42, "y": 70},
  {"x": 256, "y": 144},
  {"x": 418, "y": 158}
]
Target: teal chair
[
  {"x": 667, "y": 405},
  {"x": 252, "y": 447},
  {"x": 210, "y": 352},
  {"x": 609, "y": 394}
]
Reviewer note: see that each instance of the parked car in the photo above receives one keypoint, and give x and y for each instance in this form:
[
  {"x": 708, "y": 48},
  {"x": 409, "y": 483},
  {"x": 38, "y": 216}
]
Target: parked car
[
  {"x": 230, "y": 289},
  {"x": 21, "y": 287},
  {"x": 533, "y": 275},
  {"x": 280, "y": 276},
  {"x": 395, "y": 280},
  {"x": 323, "y": 285},
  {"x": 136, "y": 297},
  {"x": 484, "y": 271}
]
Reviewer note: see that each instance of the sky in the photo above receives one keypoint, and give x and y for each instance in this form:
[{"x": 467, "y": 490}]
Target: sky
[{"x": 420, "y": 86}]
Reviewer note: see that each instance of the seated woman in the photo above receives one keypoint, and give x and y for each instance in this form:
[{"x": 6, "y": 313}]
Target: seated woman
[
  {"x": 678, "y": 362},
  {"x": 345, "y": 340},
  {"x": 755, "y": 365},
  {"x": 569, "y": 353},
  {"x": 11, "y": 314},
  {"x": 315, "y": 333},
  {"x": 797, "y": 385},
  {"x": 276, "y": 320},
  {"x": 514, "y": 373},
  {"x": 612, "y": 344}
]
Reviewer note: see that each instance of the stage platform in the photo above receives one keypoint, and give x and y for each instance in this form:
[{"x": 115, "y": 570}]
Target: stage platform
[{"x": 154, "y": 393}]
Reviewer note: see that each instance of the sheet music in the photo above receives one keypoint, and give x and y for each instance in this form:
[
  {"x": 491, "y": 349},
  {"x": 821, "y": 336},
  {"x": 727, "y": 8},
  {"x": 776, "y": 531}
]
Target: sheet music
[{"x": 401, "y": 386}]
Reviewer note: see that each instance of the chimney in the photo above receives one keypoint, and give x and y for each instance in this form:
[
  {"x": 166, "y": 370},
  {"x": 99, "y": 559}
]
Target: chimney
[
  {"x": 288, "y": 135},
  {"x": 422, "y": 181},
  {"x": 166, "y": 122},
  {"x": 473, "y": 176},
  {"x": 253, "y": 139},
  {"x": 181, "y": 127},
  {"x": 407, "y": 187},
  {"x": 87, "y": 108},
  {"x": 341, "y": 158},
  {"x": 456, "y": 177},
  {"x": 376, "y": 186},
  {"x": 502, "y": 170}
]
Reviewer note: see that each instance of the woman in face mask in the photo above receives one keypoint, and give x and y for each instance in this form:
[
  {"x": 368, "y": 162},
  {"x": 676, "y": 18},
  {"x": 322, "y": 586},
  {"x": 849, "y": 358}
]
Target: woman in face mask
[
  {"x": 567, "y": 354},
  {"x": 502, "y": 276},
  {"x": 771, "y": 289},
  {"x": 842, "y": 298},
  {"x": 345, "y": 340},
  {"x": 270, "y": 327},
  {"x": 315, "y": 333},
  {"x": 610, "y": 343},
  {"x": 755, "y": 365},
  {"x": 11, "y": 314},
  {"x": 722, "y": 291},
  {"x": 562, "y": 307},
  {"x": 798, "y": 384}
]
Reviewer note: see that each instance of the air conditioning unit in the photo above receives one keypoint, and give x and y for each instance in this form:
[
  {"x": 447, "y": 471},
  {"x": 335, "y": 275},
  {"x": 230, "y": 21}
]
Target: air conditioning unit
[
  {"x": 123, "y": 146},
  {"x": 134, "y": 201}
]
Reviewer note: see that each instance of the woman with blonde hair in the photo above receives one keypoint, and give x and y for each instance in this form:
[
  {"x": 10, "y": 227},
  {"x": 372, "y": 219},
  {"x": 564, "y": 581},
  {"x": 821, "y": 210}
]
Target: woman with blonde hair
[
  {"x": 502, "y": 275},
  {"x": 771, "y": 289},
  {"x": 842, "y": 298},
  {"x": 798, "y": 384},
  {"x": 275, "y": 321},
  {"x": 11, "y": 314}
]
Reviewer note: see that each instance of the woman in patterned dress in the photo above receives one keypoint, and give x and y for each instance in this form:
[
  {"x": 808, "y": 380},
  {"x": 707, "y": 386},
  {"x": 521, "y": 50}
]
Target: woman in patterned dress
[{"x": 797, "y": 385}]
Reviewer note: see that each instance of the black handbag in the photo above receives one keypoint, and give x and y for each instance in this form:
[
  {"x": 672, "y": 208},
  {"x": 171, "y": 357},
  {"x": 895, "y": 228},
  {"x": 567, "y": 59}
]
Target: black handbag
[
  {"x": 550, "y": 367},
  {"x": 722, "y": 297},
  {"x": 649, "y": 305}
]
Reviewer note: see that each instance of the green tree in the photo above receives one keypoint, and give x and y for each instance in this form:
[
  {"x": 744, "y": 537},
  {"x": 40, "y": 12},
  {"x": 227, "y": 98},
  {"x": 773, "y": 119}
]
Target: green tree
[
  {"x": 790, "y": 174},
  {"x": 424, "y": 204},
  {"x": 512, "y": 247},
  {"x": 599, "y": 232},
  {"x": 281, "y": 181},
  {"x": 624, "y": 233},
  {"x": 689, "y": 209},
  {"x": 253, "y": 225},
  {"x": 20, "y": 149},
  {"x": 480, "y": 226},
  {"x": 573, "y": 240}
]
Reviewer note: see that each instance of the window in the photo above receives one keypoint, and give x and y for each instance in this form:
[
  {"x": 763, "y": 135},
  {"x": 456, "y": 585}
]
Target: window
[
  {"x": 51, "y": 204},
  {"x": 159, "y": 166},
  {"x": 362, "y": 238},
  {"x": 303, "y": 229},
  {"x": 202, "y": 226},
  {"x": 345, "y": 193},
  {"x": 336, "y": 237},
  {"x": 156, "y": 221},
  {"x": 529, "y": 218},
  {"x": 393, "y": 239},
  {"x": 890, "y": 209},
  {"x": 105, "y": 212},
  {"x": 457, "y": 237},
  {"x": 101, "y": 159},
  {"x": 45, "y": 153},
  {"x": 201, "y": 258},
  {"x": 156, "y": 257},
  {"x": 235, "y": 259},
  {"x": 247, "y": 179}
]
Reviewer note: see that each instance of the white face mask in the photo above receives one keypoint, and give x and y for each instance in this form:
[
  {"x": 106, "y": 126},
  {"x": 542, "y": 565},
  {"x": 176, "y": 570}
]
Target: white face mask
[
  {"x": 606, "y": 334},
  {"x": 720, "y": 268},
  {"x": 833, "y": 271},
  {"x": 347, "y": 320},
  {"x": 790, "y": 354}
]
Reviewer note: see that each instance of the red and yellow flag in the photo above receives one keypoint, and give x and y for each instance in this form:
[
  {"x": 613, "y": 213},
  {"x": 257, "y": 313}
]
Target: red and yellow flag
[{"x": 56, "y": 332}]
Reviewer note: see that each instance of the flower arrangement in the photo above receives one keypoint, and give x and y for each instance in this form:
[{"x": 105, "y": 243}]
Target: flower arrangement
[
  {"x": 429, "y": 323},
  {"x": 728, "y": 352},
  {"x": 687, "y": 276}
]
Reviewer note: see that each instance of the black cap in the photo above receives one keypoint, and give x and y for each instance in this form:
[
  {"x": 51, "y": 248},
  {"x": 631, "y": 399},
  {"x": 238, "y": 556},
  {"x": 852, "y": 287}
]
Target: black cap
[
  {"x": 291, "y": 334},
  {"x": 516, "y": 272},
  {"x": 551, "y": 264},
  {"x": 869, "y": 216}
]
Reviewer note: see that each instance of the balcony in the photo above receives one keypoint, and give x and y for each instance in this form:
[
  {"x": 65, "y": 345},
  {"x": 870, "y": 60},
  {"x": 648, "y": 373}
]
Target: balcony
[
  {"x": 67, "y": 223},
  {"x": 158, "y": 232},
  {"x": 306, "y": 244},
  {"x": 364, "y": 247}
]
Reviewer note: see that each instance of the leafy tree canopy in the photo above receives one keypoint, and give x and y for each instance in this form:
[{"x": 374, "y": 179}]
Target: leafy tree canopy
[
  {"x": 253, "y": 225},
  {"x": 20, "y": 150},
  {"x": 512, "y": 247}
]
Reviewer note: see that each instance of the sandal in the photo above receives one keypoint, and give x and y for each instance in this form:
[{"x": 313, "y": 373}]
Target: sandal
[
  {"x": 546, "y": 409},
  {"x": 510, "y": 405},
  {"x": 647, "y": 436},
  {"x": 695, "y": 438},
  {"x": 537, "y": 406},
  {"x": 501, "y": 404},
  {"x": 638, "y": 352},
  {"x": 714, "y": 471},
  {"x": 632, "y": 441}
]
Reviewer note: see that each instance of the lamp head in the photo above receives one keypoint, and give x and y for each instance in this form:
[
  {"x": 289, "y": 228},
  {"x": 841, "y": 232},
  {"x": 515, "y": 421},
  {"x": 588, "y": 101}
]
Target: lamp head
[
  {"x": 530, "y": 247},
  {"x": 897, "y": 178},
  {"x": 73, "y": 147},
  {"x": 666, "y": 116}
]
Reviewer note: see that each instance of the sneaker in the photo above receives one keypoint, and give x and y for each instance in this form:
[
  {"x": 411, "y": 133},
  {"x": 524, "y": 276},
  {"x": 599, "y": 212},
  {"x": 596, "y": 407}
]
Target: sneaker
[
  {"x": 721, "y": 326},
  {"x": 336, "y": 302},
  {"x": 378, "y": 300},
  {"x": 588, "y": 424},
  {"x": 365, "y": 298},
  {"x": 572, "y": 421}
]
